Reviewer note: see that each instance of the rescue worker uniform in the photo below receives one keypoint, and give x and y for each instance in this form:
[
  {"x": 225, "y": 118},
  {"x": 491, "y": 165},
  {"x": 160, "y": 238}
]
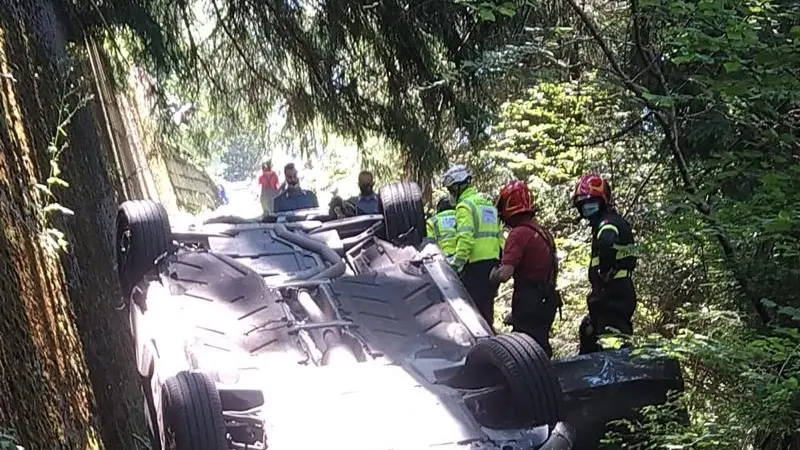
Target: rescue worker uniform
[
  {"x": 612, "y": 300},
  {"x": 477, "y": 248},
  {"x": 530, "y": 249},
  {"x": 442, "y": 229},
  {"x": 530, "y": 257}
]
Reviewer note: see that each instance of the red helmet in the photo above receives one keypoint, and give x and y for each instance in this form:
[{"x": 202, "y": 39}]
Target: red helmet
[
  {"x": 592, "y": 186},
  {"x": 515, "y": 198}
]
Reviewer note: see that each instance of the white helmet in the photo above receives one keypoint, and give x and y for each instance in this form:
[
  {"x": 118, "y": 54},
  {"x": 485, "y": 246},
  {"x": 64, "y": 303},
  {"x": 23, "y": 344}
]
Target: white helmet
[{"x": 456, "y": 174}]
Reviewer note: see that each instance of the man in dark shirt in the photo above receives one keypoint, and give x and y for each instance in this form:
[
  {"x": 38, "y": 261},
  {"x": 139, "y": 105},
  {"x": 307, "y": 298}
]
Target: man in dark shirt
[
  {"x": 529, "y": 256},
  {"x": 367, "y": 201},
  {"x": 293, "y": 197}
]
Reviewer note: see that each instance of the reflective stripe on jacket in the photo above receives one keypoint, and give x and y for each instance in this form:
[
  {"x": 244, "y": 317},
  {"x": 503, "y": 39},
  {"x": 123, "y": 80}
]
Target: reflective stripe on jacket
[{"x": 622, "y": 255}]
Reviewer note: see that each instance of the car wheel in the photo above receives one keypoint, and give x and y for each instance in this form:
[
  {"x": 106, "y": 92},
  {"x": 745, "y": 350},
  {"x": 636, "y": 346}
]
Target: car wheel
[
  {"x": 143, "y": 235},
  {"x": 193, "y": 413},
  {"x": 403, "y": 213},
  {"x": 534, "y": 390}
]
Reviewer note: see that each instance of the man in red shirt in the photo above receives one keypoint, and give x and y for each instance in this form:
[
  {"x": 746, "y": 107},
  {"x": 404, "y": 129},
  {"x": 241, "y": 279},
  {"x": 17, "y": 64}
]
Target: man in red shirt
[
  {"x": 269, "y": 186},
  {"x": 529, "y": 257}
]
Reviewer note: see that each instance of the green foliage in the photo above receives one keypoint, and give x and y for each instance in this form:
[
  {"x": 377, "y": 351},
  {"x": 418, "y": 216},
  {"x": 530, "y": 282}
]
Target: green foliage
[
  {"x": 8, "y": 440},
  {"x": 156, "y": 27},
  {"x": 338, "y": 62},
  {"x": 751, "y": 377},
  {"x": 242, "y": 159},
  {"x": 72, "y": 97},
  {"x": 560, "y": 130},
  {"x": 489, "y": 11},
  {"x": 412, "y": 72},
  {"x": 731, "y": 98},
  {"x": 381, "y": 158},
  {"x": 740, "y": 62}
]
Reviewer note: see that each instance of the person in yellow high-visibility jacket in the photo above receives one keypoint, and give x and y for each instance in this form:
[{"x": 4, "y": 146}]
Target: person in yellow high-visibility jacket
[
  {"x": 479, "y": 239},
  {"x": 442, "y": 226}
]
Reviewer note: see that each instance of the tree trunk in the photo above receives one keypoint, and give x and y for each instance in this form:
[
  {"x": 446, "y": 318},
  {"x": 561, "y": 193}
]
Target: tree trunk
[
  {"x": 66, "y": 369},
  {"x": 46, "y": 397}
]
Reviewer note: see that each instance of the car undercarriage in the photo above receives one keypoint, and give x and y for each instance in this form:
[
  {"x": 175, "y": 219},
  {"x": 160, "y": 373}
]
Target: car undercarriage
[{"x": 301, "y": 332}]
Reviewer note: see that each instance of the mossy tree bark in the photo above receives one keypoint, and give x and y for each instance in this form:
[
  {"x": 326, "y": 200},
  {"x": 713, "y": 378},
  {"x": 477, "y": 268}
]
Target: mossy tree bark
[
  {"x": 45, "y": 389},
  {"x": 66, "y": 370}
]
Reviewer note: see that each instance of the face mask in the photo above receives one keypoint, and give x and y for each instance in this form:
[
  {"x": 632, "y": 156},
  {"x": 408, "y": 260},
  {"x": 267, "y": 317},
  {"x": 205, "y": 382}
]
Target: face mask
[
  {"x": 589, "y": 209},
  {"x": 366, "y": 190}
]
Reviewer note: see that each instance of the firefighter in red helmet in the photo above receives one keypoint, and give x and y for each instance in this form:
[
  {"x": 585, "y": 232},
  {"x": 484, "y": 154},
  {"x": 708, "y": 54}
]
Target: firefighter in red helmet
[
  {"x": 530, "y": 258},
  {"x": 612, "y": 300}
]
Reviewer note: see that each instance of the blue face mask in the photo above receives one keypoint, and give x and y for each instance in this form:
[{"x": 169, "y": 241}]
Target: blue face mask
[{"x": 590, "y": 209}]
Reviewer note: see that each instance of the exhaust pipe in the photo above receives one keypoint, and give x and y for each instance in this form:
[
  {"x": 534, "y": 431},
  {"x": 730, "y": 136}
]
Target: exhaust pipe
[
  {"x": 338, "y": 355},
  {"x": 335, "y": 351},
  {"x": 337, "y": 267},
  {"x": 311, "y": 308}
]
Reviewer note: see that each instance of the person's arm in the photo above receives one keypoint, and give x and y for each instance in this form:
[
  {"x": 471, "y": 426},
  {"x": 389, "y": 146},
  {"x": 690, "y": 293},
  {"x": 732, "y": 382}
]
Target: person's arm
[
  {"x": 607, "y": 239},
  {"x": 465, "y": 235},
  {"x": 350, "y": 207},
  {"x": 273, "y": 183},
  {"x": 313, "y": 200},
  {"x": 512, "y": 255},
  {"x": 501, "y": 274},
  {"x": 335, "y": 207},
  {"x": 429, "y": 227},
  {"x": 501, "y": 236}
]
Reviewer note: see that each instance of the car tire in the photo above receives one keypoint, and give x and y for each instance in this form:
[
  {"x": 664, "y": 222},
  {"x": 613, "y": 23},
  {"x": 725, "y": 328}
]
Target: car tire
[
  {"x": 143, "y": 235},
  {"x": 403, "y": 213},
  {"x": 534, "y": 389},
  {"x": 193, "y": 413}
]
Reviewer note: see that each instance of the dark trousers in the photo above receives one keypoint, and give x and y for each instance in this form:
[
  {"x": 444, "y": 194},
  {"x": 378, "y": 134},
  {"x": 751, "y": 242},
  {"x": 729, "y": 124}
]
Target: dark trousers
[
  {"x": 475, "y": 277},
  {"x": 610, "y": 306},
  {"x": 533, "y": 313}
]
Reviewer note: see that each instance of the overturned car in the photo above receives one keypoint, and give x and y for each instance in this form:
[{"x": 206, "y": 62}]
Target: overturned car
[{"x": 304, "y": 331}]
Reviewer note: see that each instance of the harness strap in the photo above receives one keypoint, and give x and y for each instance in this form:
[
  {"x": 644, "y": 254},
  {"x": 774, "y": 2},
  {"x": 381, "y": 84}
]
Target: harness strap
[{"x": 553, "y": 276}]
